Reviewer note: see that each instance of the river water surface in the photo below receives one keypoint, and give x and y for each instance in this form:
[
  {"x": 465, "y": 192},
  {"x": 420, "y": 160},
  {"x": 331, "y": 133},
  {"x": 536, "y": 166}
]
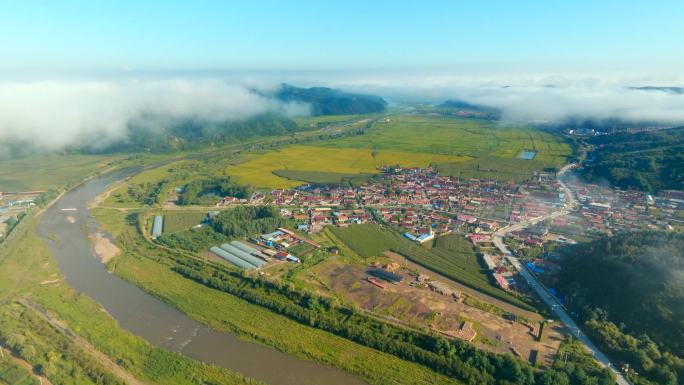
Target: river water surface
[{"x": 146, "y": 316}]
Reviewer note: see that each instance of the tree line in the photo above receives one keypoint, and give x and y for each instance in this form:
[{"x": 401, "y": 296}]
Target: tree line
[{"x": 453, "y": 358}]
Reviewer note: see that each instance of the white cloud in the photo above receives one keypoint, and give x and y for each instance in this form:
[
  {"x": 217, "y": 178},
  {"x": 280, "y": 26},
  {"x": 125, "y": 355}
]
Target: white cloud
[
  {"x": 549, "y": 104},
  {"x": 53, "y": 114}
]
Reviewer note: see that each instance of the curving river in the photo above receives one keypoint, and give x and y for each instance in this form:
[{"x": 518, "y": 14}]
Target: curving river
[{"x": 146, "y": 316}]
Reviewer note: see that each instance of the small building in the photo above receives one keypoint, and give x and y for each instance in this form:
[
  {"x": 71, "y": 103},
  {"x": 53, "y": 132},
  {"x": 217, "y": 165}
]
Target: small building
[
  {"x": 386, "y": 275},
  {"x": 272, "y": 237},
  {"x": 158, "y": 226},
  {"x": 425, "y": 237}
]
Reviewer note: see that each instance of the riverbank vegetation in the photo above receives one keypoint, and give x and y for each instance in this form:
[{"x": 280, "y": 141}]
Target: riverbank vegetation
[
  {"x": 28, "y": 273},
  {"x": 49, "y": 171}
]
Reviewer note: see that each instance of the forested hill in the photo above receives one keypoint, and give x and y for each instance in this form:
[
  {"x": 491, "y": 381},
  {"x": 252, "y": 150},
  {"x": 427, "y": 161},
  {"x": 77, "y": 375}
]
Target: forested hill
[
  {"x": 194, "y": 133},
  {"x": 454, "y": 103},
  {"x": 670, "y": 90},
  {"x": 649, "y": 161},
  {"x": 630, "y": 291},
  {"x": 328, "y": 101}
]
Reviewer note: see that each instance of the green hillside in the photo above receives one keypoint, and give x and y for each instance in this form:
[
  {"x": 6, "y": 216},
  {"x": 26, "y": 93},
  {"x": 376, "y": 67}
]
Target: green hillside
[
  {"x": 649, "y": 161},
  {"x": 328, "y": 101}
]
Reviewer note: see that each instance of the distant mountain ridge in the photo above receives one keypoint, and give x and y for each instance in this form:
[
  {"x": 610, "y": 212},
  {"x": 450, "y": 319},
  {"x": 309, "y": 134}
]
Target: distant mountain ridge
[
  {"x": 669, "y": 90},
  {"x": 329, "y": 101},
  {"x": 455, "y": 103}
]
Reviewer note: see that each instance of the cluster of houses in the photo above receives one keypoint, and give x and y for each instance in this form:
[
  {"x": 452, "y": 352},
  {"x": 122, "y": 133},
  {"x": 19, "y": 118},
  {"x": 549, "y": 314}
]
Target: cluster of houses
[
  {"x": 278, "y": 243},
  {"x": 12, "y": 205},
  {"x": 418, "y": 200},
  {"x": 607, "y": 210},
  {"x": 264, "y": 249}
]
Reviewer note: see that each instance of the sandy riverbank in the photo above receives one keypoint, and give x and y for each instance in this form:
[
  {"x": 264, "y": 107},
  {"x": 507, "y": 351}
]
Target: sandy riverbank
[{"x": 104, "y": 247}]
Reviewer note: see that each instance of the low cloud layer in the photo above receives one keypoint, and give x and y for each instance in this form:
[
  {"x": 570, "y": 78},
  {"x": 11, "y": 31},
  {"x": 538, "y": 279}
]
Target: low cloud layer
[
  {"x": 54, "y": 114},
  {"x": 549, "y": 104},
  {"x": 540, "y": 98}
]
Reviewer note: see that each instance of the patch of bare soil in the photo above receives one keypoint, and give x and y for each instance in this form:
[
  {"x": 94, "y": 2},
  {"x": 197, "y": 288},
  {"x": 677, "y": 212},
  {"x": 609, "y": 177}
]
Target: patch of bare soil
[{"x": 416, "y": 305}]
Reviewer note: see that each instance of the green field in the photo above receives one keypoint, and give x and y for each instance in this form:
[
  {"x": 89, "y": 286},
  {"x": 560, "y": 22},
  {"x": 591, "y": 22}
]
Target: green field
[
  {"x": 454, "y": 136},
  {"x": 451, "y": 258},
  {"x": 494, "y": 167},
  {"x": 44, "y": 172},
  {"x": 177, "y": 221},
  {"x": 459, "y": 147},
  {"x": 321, "y": 178},
  {"x": 318, "y": 121}
]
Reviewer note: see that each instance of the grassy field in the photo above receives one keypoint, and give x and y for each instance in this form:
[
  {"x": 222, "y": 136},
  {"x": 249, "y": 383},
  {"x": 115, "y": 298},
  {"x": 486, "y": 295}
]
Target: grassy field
[
  {"x": 494, "y": 167},
  {"x": 44, "y": 172},
  {"x": 317, "y": 121},
  {"x": 177, "y": 221},
  {"x": 226, "y": 312},
  {"x": 459, "y": 147},
  {"x": 450, "y": 257},
  {"x": 328, "y": 178}
]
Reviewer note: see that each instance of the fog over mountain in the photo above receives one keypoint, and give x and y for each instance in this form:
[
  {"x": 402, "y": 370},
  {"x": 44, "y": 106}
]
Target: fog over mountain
[
  {"x": 541, "y": 99},
  {"x": 52, "y": 114}
]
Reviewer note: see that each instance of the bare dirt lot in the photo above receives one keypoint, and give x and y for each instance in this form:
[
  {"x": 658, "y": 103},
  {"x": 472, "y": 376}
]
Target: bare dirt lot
[{"x": 412, "y": 305}]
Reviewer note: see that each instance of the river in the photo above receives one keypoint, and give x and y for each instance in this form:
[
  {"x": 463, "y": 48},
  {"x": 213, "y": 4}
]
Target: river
[{"x": 69, "y": 221}]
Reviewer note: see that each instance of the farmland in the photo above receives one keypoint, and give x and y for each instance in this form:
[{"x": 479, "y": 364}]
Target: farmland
[
  {"x": 493, "y": 167},
  {"x": 453, "y": 136},
  {"x": 471, "y": 148},
  {"x": 258, "y": 171},
  {"x": 177, "y": 221},
  {"x": 322, "y": 178}
]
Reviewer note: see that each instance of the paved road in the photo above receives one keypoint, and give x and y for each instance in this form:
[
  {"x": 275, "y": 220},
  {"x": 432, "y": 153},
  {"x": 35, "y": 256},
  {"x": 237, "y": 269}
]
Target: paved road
[{"x": 558, "y": 309}]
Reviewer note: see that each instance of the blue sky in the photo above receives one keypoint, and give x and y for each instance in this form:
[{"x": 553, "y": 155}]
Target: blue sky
[
  {"x": 460, "y": 36},
  {"x": 73, "y": 68}
]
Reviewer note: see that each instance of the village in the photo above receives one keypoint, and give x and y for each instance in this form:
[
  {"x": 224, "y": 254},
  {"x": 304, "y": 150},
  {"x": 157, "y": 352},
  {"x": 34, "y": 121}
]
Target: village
[
  {"x": 12, "y": 206},
  {"x": 423, "y": 204}
]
